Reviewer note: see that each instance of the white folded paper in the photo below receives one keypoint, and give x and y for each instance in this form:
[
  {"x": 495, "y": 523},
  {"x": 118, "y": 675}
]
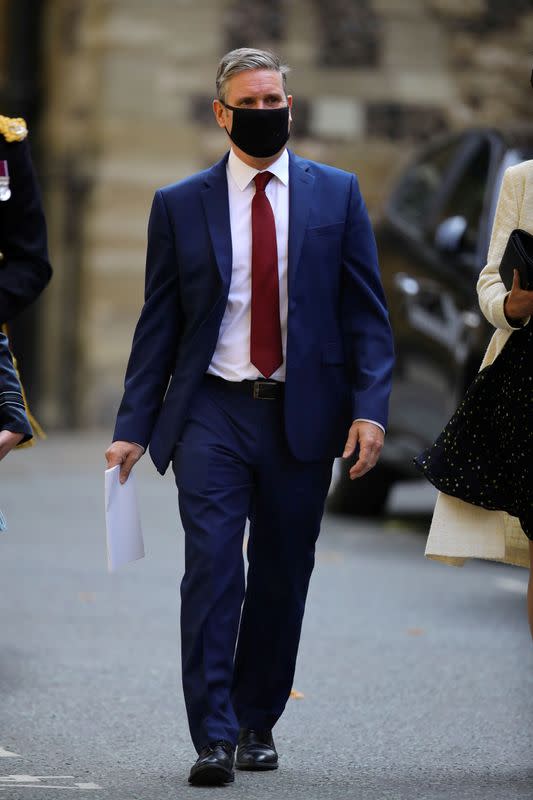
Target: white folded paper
[{"x": 123, "y": 521}]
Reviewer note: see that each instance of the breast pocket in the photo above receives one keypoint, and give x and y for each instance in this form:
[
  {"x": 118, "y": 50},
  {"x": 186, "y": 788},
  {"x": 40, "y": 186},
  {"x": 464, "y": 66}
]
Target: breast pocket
[{"x": 319, "y": 231}]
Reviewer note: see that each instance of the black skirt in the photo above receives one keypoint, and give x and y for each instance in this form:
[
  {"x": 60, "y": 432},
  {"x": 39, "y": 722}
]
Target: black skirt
[{"x": 485, "y": 454}]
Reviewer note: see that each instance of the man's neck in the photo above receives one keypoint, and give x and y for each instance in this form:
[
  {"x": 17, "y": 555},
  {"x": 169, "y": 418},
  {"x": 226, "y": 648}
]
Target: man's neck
[{"x": 256, "y": 163}]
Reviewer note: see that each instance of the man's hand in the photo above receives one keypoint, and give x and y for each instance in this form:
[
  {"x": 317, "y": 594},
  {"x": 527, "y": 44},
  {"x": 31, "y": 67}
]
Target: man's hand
[
  {"x": 519, "y": 302},
  {"x": 126, "y": 454},
  {"x": 9, "y": 440},
  {"x": 370, "y": 438}
]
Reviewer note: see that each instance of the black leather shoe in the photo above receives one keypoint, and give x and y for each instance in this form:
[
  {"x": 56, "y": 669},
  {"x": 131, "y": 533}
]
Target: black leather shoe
[
  {"x": 256, "y": 751},
  {"x": 214, "y": 766}
]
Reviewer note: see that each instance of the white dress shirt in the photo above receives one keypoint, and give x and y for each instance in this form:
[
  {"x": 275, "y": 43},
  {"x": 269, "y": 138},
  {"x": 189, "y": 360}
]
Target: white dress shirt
[{"x": 231, "y": 359}]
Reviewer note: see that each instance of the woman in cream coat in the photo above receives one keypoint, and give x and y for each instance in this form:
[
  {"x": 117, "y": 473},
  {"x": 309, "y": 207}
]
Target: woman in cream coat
[{"x": 459, "y": 529}]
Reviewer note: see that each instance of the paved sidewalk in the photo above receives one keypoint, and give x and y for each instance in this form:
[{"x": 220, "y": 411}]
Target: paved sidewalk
[{"x": 417, "y": 678}]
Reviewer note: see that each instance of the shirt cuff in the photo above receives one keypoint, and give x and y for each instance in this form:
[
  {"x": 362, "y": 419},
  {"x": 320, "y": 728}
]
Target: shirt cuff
[
  {"x": 140, "y": 445},
  {"x": 372, "y": 421}
]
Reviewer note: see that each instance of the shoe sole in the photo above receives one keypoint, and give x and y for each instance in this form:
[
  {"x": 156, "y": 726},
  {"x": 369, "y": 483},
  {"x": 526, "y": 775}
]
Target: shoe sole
[
  {"x": 256, "y": 767},
  {"x": 211, "y": 776}
]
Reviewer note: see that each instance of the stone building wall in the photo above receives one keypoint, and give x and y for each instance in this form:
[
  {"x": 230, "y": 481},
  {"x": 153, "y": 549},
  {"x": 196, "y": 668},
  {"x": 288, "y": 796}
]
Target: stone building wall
[
  {"x": 130, "y": 85},
  {"x": 3, "y": 49}
]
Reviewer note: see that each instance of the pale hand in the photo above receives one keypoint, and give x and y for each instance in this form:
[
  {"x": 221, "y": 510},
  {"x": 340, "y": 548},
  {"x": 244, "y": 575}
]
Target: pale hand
[
  {"x": 519, "y": 302},
  {"x": 9, "y": 440},
  {"x": 370, "y": 439},
  {"x": 125, "y": 454}
]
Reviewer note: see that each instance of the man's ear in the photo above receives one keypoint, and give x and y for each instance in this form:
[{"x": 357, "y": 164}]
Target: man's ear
[{"x": 220, "y": 113}]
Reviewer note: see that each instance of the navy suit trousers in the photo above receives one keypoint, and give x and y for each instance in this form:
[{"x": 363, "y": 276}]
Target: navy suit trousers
[{"x": 240, "y": 636}]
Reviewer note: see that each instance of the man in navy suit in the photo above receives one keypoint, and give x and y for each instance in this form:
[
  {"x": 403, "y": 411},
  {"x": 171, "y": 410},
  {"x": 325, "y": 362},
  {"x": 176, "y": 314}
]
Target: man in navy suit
[{"x": 262, "y": 352}]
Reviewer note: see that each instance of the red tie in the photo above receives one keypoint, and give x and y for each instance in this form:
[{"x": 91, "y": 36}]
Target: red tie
[{"x": 266, "y": 352}]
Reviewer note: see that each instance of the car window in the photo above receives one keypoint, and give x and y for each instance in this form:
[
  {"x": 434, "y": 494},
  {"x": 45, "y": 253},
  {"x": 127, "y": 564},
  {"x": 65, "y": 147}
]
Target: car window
[
  {"x": 467, "y": 197},
  {"x": 412, "y": 201}
]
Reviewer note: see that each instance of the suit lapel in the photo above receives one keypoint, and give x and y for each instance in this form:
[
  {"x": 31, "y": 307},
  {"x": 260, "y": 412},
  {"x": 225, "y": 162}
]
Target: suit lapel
[
  {"x": 300, "y": 194},
  {"x": 216, "y": 206}
]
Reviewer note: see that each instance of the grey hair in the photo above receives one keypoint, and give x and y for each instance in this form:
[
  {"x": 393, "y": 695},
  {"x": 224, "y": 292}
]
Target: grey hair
[{"x": 245, "y": 58}]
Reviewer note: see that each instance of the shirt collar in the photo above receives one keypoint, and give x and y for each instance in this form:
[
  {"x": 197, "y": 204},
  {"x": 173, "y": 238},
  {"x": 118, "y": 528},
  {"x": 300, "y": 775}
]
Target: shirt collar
[{"x": 243, "y": 175}]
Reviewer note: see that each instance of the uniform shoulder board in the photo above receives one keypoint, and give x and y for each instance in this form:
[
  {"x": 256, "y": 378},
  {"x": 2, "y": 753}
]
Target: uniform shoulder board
[{"x": 13, "y": 129}]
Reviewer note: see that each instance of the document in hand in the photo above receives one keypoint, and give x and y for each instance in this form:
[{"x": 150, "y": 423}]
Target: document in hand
[{"x": 123, "y": 522}]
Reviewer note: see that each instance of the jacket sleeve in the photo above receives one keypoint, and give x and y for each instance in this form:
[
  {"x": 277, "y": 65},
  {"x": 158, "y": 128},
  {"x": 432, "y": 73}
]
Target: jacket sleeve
[
  {"x": 156, "y": 337},
  {"x": 12, "y": 412},
  {"x": 490, "y": 287},
  {"x": 24, "y": 269},
  {"x": 365, "y": 317}
]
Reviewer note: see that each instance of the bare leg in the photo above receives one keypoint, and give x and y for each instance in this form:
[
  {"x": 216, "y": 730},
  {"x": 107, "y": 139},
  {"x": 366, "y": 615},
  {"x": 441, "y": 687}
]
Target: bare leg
[{"x": 530, "y": 590}]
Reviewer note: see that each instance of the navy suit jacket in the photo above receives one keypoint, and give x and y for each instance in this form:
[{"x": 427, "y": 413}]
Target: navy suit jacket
[{"x": 339, "y": 343}]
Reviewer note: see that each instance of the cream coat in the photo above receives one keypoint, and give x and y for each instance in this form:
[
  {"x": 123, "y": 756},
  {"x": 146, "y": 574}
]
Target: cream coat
[{"x": 460, "y": 530}]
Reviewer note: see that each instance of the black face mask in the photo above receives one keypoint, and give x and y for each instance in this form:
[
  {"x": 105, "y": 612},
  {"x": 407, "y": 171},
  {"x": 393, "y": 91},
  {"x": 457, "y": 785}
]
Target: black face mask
[{"x": 259, "y": 132}]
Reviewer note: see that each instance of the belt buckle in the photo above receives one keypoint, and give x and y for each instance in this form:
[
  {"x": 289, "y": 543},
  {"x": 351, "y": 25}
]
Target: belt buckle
[{"x": 258, "y": 386}]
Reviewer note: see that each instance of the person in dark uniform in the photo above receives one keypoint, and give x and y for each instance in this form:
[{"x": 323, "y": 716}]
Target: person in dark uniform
[
  {"x": 15, "y": 428},
  {"x": 24, "y": 266}
]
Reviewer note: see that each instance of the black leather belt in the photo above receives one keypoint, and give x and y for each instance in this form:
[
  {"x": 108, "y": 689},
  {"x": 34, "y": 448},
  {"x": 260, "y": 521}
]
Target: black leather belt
[{"x": 260, "y": 390}]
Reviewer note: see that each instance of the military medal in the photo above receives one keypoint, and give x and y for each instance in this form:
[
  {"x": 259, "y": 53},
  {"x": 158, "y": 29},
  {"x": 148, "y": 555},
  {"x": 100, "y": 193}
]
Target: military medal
[{"x": 5, "y": 191}]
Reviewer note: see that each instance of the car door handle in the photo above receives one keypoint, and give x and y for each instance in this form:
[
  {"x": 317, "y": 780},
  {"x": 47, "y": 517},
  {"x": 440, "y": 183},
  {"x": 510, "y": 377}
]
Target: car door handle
[
  {"x": 406, "y": 285},
  {"x": 471, "y": 320},
  {"x": 423, "y": 294}
]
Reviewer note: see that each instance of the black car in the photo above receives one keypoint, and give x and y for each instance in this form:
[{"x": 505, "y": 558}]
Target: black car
[{"x": 433, "y": 240}]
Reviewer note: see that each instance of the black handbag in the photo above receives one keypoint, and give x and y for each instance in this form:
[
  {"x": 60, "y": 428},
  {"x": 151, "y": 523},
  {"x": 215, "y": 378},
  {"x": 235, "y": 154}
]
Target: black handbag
[{"x": 518, "y": 255}]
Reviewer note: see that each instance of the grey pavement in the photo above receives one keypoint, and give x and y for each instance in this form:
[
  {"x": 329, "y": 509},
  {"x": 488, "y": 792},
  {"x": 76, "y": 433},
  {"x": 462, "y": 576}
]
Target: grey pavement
[{"x": 416, "y": 678}]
